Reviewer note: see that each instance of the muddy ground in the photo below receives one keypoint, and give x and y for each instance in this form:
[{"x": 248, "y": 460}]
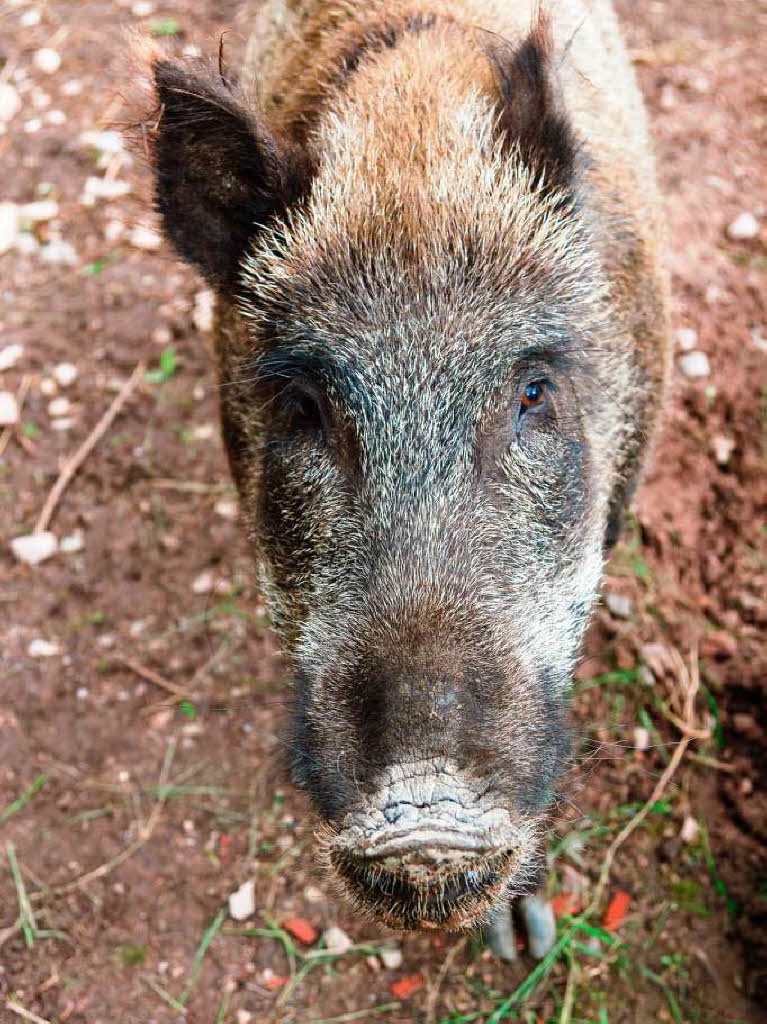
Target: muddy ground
[{"x": 128, "y": 814}]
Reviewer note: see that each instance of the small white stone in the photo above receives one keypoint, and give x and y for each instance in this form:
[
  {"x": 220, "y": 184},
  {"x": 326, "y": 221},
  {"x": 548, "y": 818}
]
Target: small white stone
[
  {"x": 48, "y": 387},
  {"x": 162, "y": 335},
  {"x": 391, "y": 957},
  {"x": 40, "y": 648},
  {"x": 62, "y": 423},
  {"x": 59, "y": 406},
  {"x": 59, "y": 252},
  {"x": 36, "y": 213},
  {"x": 145, "y": 238},
  {"x": 226, "y": 508},
  {"x": 313, "y": 894},
  {"x": 204, "y": 583},
  {"x": 72, "y": 88},
  {"x": 56, "y": 116},
  {"x": 81, "y": 693},
  {"x": 33, "y": 125},
  {"x": 190, "y": 50},
  {"x": 244, "y": 1017},
  {"x": 73, "y": 543},
  {"x": 204, "y": 432},
  {"x": 620, "y": 605},
  {"x": 10, "y": 355},
  {"x": 686, "y": 338},
  {"x": 104, "y": 142},
  {"x": 34, "y": 547},
  {"x": 337, "y": 941},
  {"x": 723, "y": 448},
  {"x": 47, "y": 60},
  {"x": 114, "y": 230},
  {"x": 690, "y": 830},
  {"x": 103, "y": 188},
  {"x": 757, "y": 338},
  {"x": 31, "y": 17},
  {"x": 695, "y": 365},
  {"x": 744, "y": 227},
  {"x": 26, "y": 243},
  {"x": 700, "y": 84},
  {"x": 40, "y": 100},
  {"x": 142, "y": 9},
  {"x": 202, "y": 315},
  {"x": 9, "y": 409},
  {"x": 242, "y": 902},
  {"x": 65, "y": 374},
  {"x": 10, "y": 102},
  {"x": 641, "y": 738},
  {"x": 9, "y": 226}
]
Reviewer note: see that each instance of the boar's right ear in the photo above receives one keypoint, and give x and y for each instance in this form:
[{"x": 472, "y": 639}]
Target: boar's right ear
[{"x": 220, "y": 173}]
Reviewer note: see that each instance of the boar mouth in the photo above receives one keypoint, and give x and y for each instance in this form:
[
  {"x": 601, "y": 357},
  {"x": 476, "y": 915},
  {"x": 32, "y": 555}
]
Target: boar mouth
[{"x": 432, "y": 850}]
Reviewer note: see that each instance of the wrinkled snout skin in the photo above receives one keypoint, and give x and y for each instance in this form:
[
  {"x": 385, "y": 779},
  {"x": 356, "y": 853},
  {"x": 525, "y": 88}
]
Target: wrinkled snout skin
[{"x": 442, "y": 340}]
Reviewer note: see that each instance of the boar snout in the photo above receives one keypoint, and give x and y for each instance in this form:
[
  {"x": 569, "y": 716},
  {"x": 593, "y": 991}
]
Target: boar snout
[{"x": 432, "y": 848}]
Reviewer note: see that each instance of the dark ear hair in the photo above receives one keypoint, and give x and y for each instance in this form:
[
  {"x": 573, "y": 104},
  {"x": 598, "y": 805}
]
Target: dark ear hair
[
  {"x": 220, "y": 173},
  {"x": 530, "y": 113}
]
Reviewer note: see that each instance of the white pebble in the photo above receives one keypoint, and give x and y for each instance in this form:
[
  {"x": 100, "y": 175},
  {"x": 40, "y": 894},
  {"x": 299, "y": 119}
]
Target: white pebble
[
  {"x": 31, "y": 17},
  {"x": 686, "y": 338},
  {"x": 59, "y": 251},
  {"x": 695, "y": 365},
  {"x": 667, "y": 98},
  {"x": 723, "y": 448},
  {"x": 744, "y": 227},
  {"x": 36, "y": 213},
  {"x": 391, "y": 957},
  {"x": 65, "y": 374},
  {"x": 145, "y": 238},
  {"x": 204, "y": 432},
  {"x": 620, "y": 605},
  {"x": 244, "y": 1017},
  {"x": 33, "y": 125},
  {"x": 202, "y": 314},
  {"x": 59, "y": 406},
  {"x": 10, "y": 102},
  {"x": 337, "y": 941},
  {"x": 10, "y": 355},
  {"x": 242, "y": 902},
  {"x": 105, "y": 142},
  {"x": 48, "y": 387},
  {"x": 142, "y": 9},
  {"x": 56, "y": 116},
  {"x": 113, "y": 230},
  {"x": 9, "y": 226},
  {"x": 690, "y": 830},
  {"x": 641, "y": 738},
  {"x": 81, "y": 693},
  {"x": 9, "y": 409},
  {"x": 40, "y": 648},
  {"x": 72, "y": 544},
  {"x": 226, "y": 509},
  {"x": 72, "y": 88},
  {"x": 34, "y": 548},
  {"x": 47, "y": 60},
  {"x": 204, "y": 583},
  {"x": 62, "y": 423},
  {"x": 103, "y": 188}
]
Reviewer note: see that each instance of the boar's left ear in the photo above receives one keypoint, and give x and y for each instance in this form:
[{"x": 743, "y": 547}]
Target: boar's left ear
[
  {"x": 220, "y": 173},
  {"x": 531, "y": 115}
]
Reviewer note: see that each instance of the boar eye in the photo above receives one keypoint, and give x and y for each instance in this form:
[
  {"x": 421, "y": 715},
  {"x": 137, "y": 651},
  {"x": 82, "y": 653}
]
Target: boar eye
[
  {"x": 533, "y": 396},
  {"x": 303, "y": 412}
]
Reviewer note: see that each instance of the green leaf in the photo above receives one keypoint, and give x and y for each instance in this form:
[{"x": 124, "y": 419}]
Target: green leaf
[
  {"x": 165, "y": 26},
  {"x": 189, "y": 709}
]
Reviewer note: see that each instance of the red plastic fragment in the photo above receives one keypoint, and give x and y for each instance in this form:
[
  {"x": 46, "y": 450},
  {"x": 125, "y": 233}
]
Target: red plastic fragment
[
  {"x": 223, "y": 846},
  {"x": 276, "y": 981},
  {"x": 616, "y": 911},
  {"x": 300, "y": 929},
  {"x": 564, "y": 905},
  {"x": 406, "y": 986}
]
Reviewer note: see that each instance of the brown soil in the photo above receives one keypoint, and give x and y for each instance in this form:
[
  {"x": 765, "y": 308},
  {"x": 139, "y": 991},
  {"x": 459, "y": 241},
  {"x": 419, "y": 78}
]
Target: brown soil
[{"x": 694, "y": 562}]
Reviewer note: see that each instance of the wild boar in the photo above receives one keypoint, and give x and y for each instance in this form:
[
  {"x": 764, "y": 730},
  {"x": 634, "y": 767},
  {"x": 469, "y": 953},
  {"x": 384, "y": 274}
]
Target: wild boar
[{"x": 435, "y": 239}]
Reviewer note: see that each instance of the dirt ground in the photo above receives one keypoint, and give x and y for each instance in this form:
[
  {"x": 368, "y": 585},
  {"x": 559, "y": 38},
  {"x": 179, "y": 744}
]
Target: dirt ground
[{"x": 128, "y": 813}]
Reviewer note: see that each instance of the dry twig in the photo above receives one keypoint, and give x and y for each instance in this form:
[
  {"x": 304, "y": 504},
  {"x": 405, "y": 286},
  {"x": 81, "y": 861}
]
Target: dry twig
[
  {"x": 154, "y": 677},
  {"x": 21, "y": 394},
  {"x": 690, "y": 682},
  {"x": 20, "y": 1011},
  {"x": 82, "y": 453}
]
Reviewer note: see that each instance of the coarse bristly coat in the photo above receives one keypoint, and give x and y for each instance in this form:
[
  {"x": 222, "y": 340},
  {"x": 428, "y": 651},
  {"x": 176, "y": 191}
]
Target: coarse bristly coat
[{"x": 434, "y": 234}]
